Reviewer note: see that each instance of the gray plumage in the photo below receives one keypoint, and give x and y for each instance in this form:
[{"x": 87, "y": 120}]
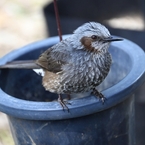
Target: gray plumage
[
  {"x": 78, "y": 67},
  {"x": 77, "y": 64}
]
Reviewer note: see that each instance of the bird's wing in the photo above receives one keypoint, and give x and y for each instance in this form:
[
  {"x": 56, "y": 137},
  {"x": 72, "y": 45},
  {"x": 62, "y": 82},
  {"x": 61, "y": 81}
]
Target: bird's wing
[{"x": 53, "y": 59}]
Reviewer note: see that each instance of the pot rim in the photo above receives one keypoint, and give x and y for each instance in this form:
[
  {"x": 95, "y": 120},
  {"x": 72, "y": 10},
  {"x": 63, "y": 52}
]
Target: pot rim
[{"x": 82, "y": 106}]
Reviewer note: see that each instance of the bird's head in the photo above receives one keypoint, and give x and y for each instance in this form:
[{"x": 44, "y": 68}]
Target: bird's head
[{"x": 94, "y": 37}]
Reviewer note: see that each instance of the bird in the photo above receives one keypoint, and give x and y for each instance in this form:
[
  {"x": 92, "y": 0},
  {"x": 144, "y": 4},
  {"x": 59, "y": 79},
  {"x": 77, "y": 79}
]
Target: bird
[{"x": 76, "y": 64}]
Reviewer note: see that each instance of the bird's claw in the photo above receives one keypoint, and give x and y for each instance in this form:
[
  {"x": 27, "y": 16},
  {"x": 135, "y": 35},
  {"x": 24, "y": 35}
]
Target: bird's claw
[
  {"x": 102, "y": 99},
  {"x": 99, "y": 95},
  {"x": 63, "y": 103}
]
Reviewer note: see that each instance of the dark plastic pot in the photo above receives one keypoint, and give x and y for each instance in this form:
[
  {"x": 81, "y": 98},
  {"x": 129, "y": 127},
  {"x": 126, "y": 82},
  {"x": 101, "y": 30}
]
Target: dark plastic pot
[
  {"x": 74, "y": 13},
  {"x": 35, "y": 121}
]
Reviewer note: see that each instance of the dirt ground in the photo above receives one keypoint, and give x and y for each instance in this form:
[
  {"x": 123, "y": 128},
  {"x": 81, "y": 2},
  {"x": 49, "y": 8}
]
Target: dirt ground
[{"x": 22, "y": 22}]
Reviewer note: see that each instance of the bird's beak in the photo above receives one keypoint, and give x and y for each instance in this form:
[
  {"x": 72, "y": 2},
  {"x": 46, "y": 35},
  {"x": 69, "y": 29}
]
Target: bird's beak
[{"x": 112, "y": 38}]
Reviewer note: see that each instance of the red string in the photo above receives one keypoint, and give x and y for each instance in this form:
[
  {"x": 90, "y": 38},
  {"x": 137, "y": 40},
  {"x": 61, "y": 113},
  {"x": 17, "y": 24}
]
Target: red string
[{"x": 57, "y": 20}]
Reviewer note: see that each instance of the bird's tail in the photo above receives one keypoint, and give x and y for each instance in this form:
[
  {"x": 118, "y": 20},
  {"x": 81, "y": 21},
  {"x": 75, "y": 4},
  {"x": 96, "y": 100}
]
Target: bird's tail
[{"x": 22, "y": 64}]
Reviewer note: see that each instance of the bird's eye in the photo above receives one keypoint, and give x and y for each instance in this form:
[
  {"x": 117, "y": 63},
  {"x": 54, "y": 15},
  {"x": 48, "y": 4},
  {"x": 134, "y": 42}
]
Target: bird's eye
[{"x": 94, "y": 37}]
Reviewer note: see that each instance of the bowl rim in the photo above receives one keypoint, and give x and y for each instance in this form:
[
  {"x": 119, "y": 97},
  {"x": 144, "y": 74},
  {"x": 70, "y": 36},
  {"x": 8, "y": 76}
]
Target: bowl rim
[{"x": 82, "y": 106}]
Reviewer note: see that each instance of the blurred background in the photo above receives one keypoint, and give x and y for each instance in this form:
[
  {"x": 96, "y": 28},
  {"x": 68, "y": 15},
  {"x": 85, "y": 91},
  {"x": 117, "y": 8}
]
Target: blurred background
[{"x": 23, "y": 22}]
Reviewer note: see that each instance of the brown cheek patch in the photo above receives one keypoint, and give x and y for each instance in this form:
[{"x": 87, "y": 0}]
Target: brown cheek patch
[{"x": 86, "y": 41}]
